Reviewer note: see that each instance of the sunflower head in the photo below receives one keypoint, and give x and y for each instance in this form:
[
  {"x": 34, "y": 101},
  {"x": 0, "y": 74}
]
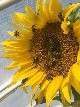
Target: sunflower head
[{"x": 47, "y": 57}]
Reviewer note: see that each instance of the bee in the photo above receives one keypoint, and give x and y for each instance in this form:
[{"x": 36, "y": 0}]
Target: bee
[
  {"x": 60, "y": 16},
  {"x": 24, "y": 80},
  {"x": 16, "y": 33},
  {"x": 33, "y": 28},
  {"x": 49, "y": 77}
]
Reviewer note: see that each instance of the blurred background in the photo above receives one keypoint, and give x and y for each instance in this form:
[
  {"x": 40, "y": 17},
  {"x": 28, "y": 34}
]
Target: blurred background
[{"x": 7, "y": 7}]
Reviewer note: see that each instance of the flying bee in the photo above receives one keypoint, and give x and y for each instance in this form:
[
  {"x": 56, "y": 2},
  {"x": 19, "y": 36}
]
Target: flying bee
[{"x": 16, "y": 33}]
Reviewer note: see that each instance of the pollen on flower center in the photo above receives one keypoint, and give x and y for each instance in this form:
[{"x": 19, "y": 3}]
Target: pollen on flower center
[{"x": 53, "y": 51}]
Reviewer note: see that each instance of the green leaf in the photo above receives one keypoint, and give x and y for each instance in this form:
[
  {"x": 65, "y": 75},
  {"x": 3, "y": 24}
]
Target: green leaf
[{"x": 74, "y": 16}]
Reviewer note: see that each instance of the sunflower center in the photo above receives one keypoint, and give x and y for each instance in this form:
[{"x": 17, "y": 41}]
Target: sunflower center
[{"x": 53, "y": 51}]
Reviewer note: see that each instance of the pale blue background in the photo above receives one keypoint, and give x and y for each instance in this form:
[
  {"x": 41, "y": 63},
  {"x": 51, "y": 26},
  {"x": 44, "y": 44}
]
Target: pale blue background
[{"x": 19, "y": 98}]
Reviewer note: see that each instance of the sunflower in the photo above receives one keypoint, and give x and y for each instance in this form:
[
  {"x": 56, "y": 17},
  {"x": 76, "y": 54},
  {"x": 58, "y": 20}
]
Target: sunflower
[{"x": 45, "y": 47}]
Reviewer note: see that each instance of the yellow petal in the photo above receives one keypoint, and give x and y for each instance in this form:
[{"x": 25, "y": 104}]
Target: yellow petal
[
  {"x": 53, "y": 88},
  {"x": 66, "y": 94},
  {"x": 40, "y": 98},
  {"x": 52, "y": 11},
  {"x": 77, "y": 23},
  {"x": 37, "y": 5},
  {"x": 17, "y": 64},
  {"x": 11, "y": 33},
  {"x": 22, "y": 31},
  {"x": 25, "y": 90},
  {"x": 39, "y": 21},
  {"x": 15, "y": 44},
  {"x": 65, "y": 89},
  {"x": 30, "y": 11},
  {"x": 76, "y": 71},
  {"x": 36, "y": 19},
  {"x": 44, "y": 84},
  {"x": 43, "y": 14},
  {"x": 63, "y": 98},
  {"x": 70, "y": 10},
  {"x": 8, "y": 48},
  {"x": 27, "y": 73},
  {"x": 16, "y": 58},
  {"x": 22, "y": 19},
  {"x": 78, "y": 56},
  {"x": 43, "y": 4},
  {"x": 7, "y": 42},
  {"x": 35, "y": 85},
  {"x": 65, "y": 24},
  {"x": 48, "y": 11},
  {"x": 22, "y": 71},
  {"x": 78, "y": 37},
  {"x": 65, "y": 82},
  {"x": 39, "y": 95},
  {"x": 56, "y": 6},
  {"x": 67, "y": 8},
  {"x": 77, "y": 34},
  {"x": 65, "y": 27},
  {"x": 75, "y": 83},
  {"x": 34, "y": 79},
  {"x": 11, "y": 66},
  {"x": 17, "y": 55},
  {"x": 76, "y": 29}
]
